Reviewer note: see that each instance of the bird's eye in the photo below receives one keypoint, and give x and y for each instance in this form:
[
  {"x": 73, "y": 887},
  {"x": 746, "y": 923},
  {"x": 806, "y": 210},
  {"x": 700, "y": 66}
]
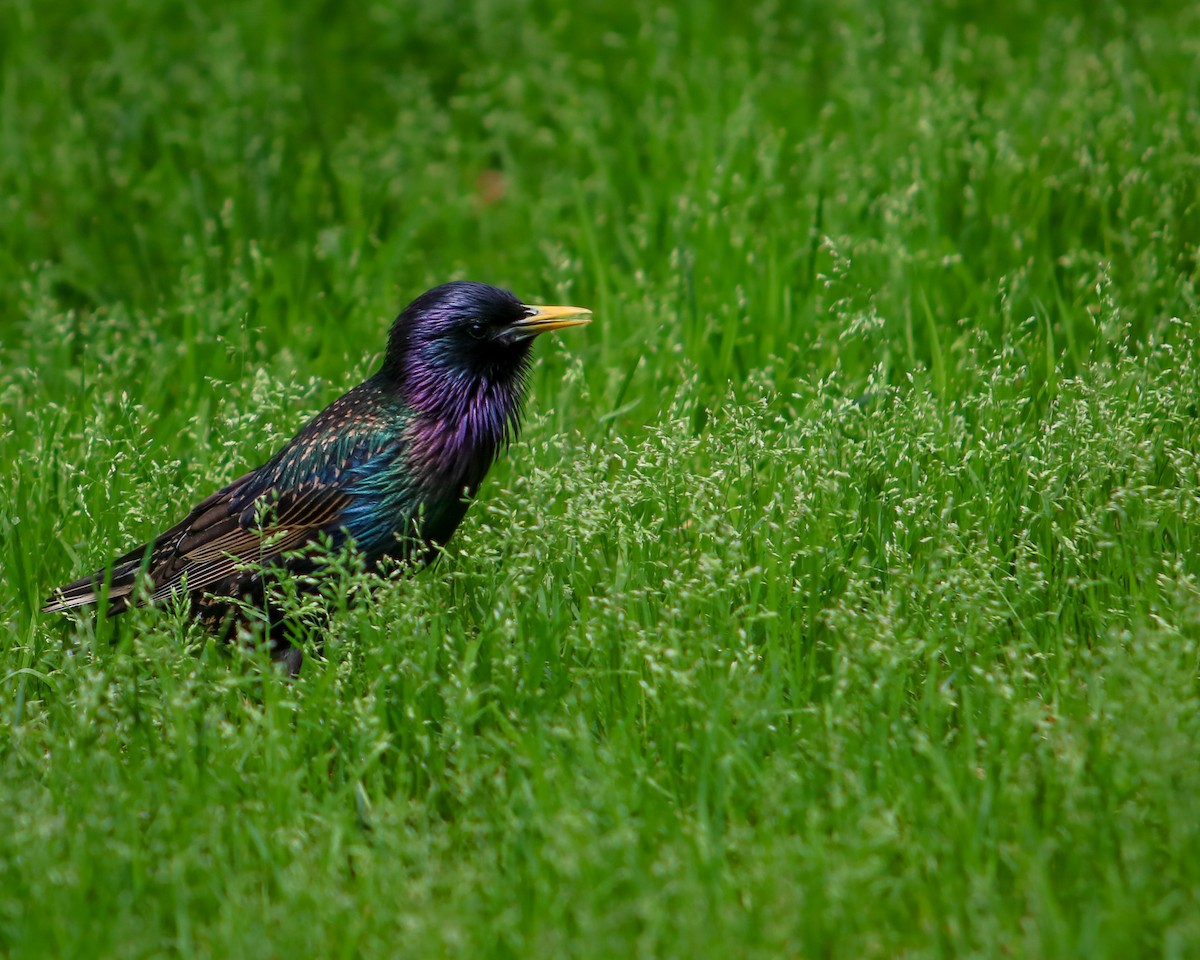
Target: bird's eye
[{"x": 477, "y": 329}]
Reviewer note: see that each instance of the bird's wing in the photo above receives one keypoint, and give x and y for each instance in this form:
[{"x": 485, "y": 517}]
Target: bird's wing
[
  {"x": 220, "y": 542},
  {"x": 253, "y": 521}
]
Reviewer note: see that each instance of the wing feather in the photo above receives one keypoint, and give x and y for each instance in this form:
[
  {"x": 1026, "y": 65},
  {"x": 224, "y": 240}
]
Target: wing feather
[{"x": 287, "y": 503}]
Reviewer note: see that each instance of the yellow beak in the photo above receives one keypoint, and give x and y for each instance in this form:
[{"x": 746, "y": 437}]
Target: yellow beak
[{"x": 544, "y": 319}]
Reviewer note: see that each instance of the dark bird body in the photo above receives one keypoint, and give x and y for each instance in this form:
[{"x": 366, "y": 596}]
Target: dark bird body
[{"x": 390, "y": 466}]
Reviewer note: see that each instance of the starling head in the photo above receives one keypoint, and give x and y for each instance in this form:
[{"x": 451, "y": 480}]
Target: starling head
[{"x": 464, "y": 331}]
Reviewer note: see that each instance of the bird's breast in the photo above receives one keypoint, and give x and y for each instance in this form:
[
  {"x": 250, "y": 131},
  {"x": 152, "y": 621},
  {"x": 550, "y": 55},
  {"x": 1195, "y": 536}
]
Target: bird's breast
[
  {"x": 450, "y": 452},
  {"x": 452, "y": 458}
]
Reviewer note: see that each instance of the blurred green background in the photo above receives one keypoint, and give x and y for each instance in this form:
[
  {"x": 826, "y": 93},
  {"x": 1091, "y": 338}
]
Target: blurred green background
[{"x": 841, "y": 599}]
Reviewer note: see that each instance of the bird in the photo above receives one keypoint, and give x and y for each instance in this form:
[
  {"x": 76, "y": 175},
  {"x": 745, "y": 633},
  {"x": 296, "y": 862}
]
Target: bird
[{"x": 389, "y": 468}]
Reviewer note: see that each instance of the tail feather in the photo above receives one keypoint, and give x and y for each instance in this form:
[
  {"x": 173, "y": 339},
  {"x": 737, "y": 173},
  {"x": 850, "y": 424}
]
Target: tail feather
[{"x": 87, "y": 591}]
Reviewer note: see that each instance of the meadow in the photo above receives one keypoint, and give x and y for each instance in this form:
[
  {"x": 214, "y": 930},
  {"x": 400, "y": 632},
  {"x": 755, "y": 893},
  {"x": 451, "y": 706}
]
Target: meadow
[{"x": 841, "y": 597}]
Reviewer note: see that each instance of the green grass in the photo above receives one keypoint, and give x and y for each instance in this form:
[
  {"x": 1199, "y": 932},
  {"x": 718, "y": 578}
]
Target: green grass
[{"x": 842, "y": 598}]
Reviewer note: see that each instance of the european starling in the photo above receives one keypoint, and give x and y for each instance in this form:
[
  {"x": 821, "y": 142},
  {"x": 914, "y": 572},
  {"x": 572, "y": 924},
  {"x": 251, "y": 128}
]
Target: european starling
[{"x": 390, "y": 466}]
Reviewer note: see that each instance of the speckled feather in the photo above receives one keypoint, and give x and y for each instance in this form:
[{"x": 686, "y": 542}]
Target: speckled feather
[{"x": 391, "y": 464}]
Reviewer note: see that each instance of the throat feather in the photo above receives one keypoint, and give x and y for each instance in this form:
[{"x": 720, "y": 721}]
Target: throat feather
[{"x": 456, "y": 438}]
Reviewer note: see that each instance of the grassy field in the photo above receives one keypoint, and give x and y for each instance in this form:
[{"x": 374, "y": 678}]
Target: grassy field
[{"x": 842, "y": 597}]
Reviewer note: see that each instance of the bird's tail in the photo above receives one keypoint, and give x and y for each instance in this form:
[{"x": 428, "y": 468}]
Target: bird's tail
[{"x": 121, "y": 578}]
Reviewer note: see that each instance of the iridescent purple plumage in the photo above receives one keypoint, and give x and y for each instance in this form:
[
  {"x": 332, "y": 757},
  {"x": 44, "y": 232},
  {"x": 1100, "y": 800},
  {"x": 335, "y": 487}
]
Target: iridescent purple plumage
[{"x": 465, "y": 392}]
